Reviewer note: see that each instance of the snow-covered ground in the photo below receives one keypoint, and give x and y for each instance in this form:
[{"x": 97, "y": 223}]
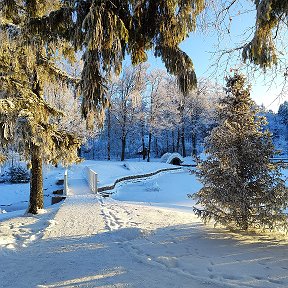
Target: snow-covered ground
[
  {"x": 165, "y": 190},
  {"x": 16, "y": 196},
  {"x": 135, "y": 241},
  {"x": 109, "y": 171}
]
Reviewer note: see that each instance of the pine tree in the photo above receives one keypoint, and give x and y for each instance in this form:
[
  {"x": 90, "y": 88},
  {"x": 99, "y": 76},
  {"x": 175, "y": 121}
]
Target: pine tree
[
  {"x": 28, "y": 64},
  {"x": 241, "y": 187}
]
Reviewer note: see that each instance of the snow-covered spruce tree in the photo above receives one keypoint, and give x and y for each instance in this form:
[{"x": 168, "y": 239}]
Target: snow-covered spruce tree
[
  {"x": 106, "y": 31},
  {"x": 241, "y": 187},
  {"x": 27, "y": 65}
]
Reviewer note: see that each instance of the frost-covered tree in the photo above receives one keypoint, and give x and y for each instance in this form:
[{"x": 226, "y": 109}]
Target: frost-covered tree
[
  {"x": 283, "y": 112},
  {"x": 162, "y": 110},
  {"x": 28, "y": 63},
  {"x": 241, "y": 187},
  {"x": 182, "y": 109},
  {"x": 62, "y": 98},
  {"x": 155, "y": 106},
  {"x": 156, "y": 121},
  {"x": 127, "y": 100},
  {"x": 200, "y": 111}
]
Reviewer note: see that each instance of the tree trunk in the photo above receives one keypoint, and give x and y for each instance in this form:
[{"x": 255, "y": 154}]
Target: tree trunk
[
  {"x": 150, "y": 123},
  {"x": 194, "y": 144},
  {"x": 123, "y": 146},
  {"x": 167, "y": 141},
  {"x": 79, "y": 152},
  {"x": 149, "y": 146},
  {"x": 143, "y": 141},
  {"x": 36, "y": 182},
  {"x": 173, "y": 140},
  {"x": 12, "y": 159},
  {"x": 183, "y": 141},
  {"x": 108, "y": 134},
  {"x": 93, "y": 148},
  {"x": 244, "y": 220},
  {"x": 156, "y": 147},
  {"x": 178, "y": 140},
  {"x": 124, "y": 133}
]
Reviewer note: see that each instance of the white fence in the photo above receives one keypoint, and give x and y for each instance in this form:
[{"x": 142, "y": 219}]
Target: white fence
[
  {"x": 65, "y": 190},
  {"x": 91, "y": 178}
]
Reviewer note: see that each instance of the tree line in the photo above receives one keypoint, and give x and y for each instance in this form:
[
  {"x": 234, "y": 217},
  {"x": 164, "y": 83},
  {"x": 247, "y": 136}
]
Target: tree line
[{"x": 148, "y": 115}]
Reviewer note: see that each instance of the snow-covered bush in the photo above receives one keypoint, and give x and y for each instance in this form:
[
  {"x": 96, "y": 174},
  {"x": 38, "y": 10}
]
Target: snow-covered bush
[{"x": 18, "y": 174}]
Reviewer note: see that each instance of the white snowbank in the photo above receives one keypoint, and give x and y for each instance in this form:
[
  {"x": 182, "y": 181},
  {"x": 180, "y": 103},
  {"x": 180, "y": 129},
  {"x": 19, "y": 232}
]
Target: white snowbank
[
  {"x": 15, "y": 197},
  {"x": 165, "y": 190}
]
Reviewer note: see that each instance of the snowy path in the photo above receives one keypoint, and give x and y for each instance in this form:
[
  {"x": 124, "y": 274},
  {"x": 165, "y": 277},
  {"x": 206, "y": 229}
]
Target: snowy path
[
  {"x": 90, "y": 244},
  {"x": 97, "y": 242}
]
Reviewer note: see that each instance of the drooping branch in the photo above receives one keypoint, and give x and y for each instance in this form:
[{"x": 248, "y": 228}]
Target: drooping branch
[
  {"x": 179, "y": 64},
  {"x": 58, "y": 73}
]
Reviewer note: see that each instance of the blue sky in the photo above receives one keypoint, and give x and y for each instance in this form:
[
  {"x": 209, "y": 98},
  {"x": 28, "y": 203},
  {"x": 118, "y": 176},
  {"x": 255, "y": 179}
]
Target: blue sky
[{"x": 200, "y": 47}]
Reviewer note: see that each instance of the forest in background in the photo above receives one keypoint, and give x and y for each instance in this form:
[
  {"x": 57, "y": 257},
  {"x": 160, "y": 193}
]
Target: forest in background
[{"x": 148, "y": 112}]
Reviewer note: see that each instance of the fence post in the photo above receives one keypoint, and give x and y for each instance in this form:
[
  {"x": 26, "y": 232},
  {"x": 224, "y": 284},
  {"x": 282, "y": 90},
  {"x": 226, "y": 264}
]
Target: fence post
[
  {"x": 95, "y": 183},
  {"x": 65, "y": 192}
]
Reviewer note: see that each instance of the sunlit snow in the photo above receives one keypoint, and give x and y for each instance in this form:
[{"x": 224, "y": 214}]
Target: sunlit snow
[{"x": 144, "y": 235}]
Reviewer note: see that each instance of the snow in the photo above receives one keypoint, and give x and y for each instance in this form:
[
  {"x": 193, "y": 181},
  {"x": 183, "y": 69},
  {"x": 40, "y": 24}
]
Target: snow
[
  {"x": 16, "y": 196},
  {"x": 168, "y": 157},
  {"x": 109, "y": 171},
  {"x": 166, "y": 190},
  {"x": 146, "y": 235}
]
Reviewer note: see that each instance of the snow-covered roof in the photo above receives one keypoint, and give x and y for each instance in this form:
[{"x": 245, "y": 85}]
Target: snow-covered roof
[{"x": 168, "y": 157}]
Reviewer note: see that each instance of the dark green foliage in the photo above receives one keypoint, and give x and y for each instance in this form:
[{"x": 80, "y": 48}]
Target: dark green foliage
[
  {"x": 106, "y": 31},
  {"x": 271, "y": 15},
  {"x": 111, "y": 29},
  {"x": 241, "y": 187},
  {"x": 28, "y": 65}
]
